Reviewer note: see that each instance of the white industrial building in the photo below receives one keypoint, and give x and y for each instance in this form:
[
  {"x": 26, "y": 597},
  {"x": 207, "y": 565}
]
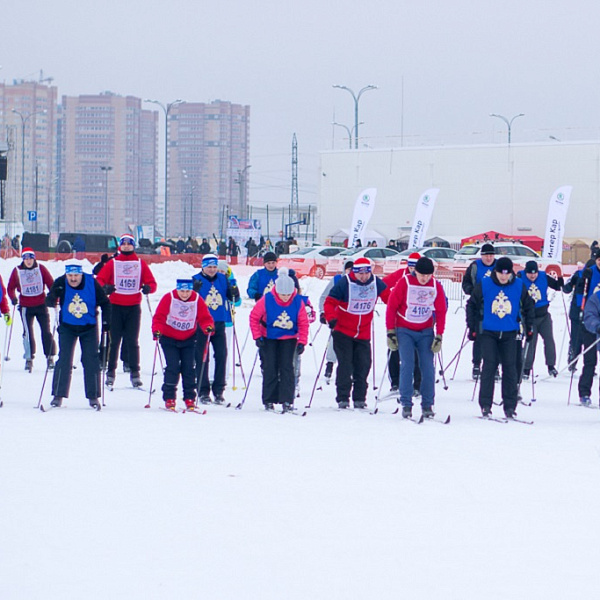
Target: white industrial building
[{"x": 492, "y": 187}]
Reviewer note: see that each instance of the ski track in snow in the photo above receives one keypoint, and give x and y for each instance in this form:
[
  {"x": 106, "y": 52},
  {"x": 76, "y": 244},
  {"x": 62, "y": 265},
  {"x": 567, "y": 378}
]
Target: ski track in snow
[{"x": 134, "y": 503}]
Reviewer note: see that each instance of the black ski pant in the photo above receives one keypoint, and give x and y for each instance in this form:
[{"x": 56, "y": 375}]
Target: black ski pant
[
  {"x": 590, "y": 359},
  {"x": 575, "y": 343},
  {"x": 354, "y": 364},
  {"x": 28, "y": 315},
  {"x": 125, "y": 324},
  {"x": 279, "y": 381},
  {"x": 542, "y": 327},
  {"x": 180, "y": 359},
  {"x": 476, "y": 352},
  {"x": 394, "y": 367},
  {"x": 88, "y": 341},
  {"x": 218, "y": 341},
  {"x": 499, "y": 347}
]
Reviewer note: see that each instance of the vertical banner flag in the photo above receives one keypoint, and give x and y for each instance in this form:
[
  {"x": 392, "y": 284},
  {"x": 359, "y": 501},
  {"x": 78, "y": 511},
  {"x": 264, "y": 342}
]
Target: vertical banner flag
[
  {"x": 555, "y": 225},
  {"x": 363, "y": 210},
  {"x": 422, "y": 217}
]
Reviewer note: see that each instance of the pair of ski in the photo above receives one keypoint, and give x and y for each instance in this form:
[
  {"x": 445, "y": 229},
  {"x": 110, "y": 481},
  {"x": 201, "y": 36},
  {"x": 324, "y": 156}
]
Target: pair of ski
[
  {"x": 504, "y": 419},
  {"x": 423, "y": 419},
  {"x": 198, "y": 411},
  {"x": 294, "y": 412}
]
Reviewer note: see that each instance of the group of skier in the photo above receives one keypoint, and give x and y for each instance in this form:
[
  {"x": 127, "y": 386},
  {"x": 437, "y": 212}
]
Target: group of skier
[{"x": 503, "y": 308}]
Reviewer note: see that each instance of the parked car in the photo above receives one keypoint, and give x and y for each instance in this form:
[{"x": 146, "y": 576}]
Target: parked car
[
  {"x": 517, "y": 252},
  {"x": 92, "y": 242},
  {"x": 377, "y": 256},
  {"x": 440, "y": 256},
  {"x": 311, "y": 262}
]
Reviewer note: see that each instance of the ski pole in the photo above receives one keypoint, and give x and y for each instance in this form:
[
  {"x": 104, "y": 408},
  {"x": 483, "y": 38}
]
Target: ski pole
[
  {"x": 375, "y": 409},
  {"x": 241, "y": 404},
  {"x": 442, "y": 372},
  {"x": 162, "y": 366},
  {"x": 104, "y": 344},
  {"x": 312, "y": 395},
  {"x": 373, "y": 347},
  {"x": 203, "y": 367},
  {"x": 237, "y": 345},
  {"x": 582, "y": 353},
  {"x": 316, "y": 334},
  {"x": 6, "y": 338},
  {"x": 566, "y": 314},
  {"x": 152, "y": 377},
  {"x": 457, "y": 355},
  {"x": 233, "y": 387},
  {"x": 244, "y": 344},
  {"x": 474, "y": 389},
  {"x": 39, "y": 404},
  {"x": 12, "y": 322}
]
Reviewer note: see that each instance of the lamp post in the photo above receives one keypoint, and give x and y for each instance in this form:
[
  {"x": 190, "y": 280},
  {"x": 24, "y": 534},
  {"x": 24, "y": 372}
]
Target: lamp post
[
  {"x": 356, "y": 98},
  {"x": 241, "y": 181},
  {"x": 508, "y": 123},
  {"x": 348, "y": 130},
  {"x": 166, "y": 109},
  {"x": 106, "y": 170},
  {"x": 24, "y": 120}
]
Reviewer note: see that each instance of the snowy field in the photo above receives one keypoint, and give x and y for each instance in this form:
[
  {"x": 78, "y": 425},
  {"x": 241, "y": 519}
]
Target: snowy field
[{"x": 138, "y": 503}]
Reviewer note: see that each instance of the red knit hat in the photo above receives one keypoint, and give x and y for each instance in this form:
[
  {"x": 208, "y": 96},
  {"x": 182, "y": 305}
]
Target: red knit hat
[
  {"x": 27, "y": 251},
  {"x": 412, "y": 259},
  {"x": 362, "y": 265}
]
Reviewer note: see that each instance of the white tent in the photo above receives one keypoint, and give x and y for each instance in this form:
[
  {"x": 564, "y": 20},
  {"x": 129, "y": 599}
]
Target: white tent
[{"x": 341, "y": 235}]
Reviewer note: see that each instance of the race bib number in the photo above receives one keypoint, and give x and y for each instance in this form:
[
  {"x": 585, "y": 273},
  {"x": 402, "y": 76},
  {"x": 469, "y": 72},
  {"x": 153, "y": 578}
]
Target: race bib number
[
  {"x": 361, "y": 298},
  {"x": 31, "y": 281},
  {"x": 127, "y": 276},
  {"x": 420, "y": 301},
  {"x": 182, "y": 315}
]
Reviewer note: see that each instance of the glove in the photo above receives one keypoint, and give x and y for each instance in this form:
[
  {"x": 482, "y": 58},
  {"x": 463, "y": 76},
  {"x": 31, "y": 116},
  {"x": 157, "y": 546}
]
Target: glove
[
  {"x": 109, "y": 289},
  {"x": 392, "y": 340},
  {"x": 146, "y": 289},
  {"x": 58, "y": 288},
  {"x": 156, "y": 335},
  {"x": 257, "y": 297},
  {"x": 472, "y": 335},
  {"x": 323, "y": 319},
  {"x": 260, "y": 342},
  {"x": 209, "y": 330},
  {"x": 7, "y": 319},
  {"x": 436, "y": 345},
  {"x": 332, "y": 323},
  {"x": 529, "y": 335},
  {"x": 299, "y": 349},
  {"x": 105, "y": 326},
  {"x": 197, "y": 285},
  {"x": 14, "y": 301}
]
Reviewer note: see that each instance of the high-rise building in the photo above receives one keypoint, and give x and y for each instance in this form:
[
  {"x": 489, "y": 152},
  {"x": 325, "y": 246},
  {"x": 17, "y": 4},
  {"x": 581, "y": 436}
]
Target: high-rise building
[
  {"x": 208, "y": 166},
  {"x": 108, "y": 160},
  {"x": 28, "y": 128}
]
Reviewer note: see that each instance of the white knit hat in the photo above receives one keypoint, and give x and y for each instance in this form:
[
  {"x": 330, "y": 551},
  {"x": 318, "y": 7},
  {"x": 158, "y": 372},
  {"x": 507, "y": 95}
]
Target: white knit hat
[{"x": 284, "y": 284}]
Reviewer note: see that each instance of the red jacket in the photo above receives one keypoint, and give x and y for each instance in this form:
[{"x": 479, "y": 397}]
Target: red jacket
[
  {"x": 397, "y": 305},
  {"x": 14, "y": 285},
  {"x": 259, "y": 313},
  {"x": 106, "y": 276},
  {"x": 159, "y": 320},
  {"x": 336, "y": 307}
]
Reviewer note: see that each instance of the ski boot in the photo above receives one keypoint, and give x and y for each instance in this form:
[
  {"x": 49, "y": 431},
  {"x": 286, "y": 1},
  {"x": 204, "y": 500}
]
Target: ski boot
[
  {"x": 189, "y": 404},
  {"x": 585, "y": 401},
  {"x": 204, "y": 399},
  {"x": 109, "y": 381},
  {"x": 50, "y": 363},
  {"x": 126, "y": 368},
  {"x": 136, "y": 382},
  {"x": 486, "y": 411},
  {"x": 219, "y": 399},
  {"x": 360, "y": 404},
  {"x": 552, "y": 371},
  {"x": 268, "y": 405},
  {"x": 526, "y": 374},
  {"x": 29, "y": 365},
  {"x": 95, "y": 404},
  {"x": 170, "y": 404},
  {"x": 407, "y": 412},
  {"x": 427, "y": 412},
  {"x": 328, "y": 370},
  {"x": 510, "y": 413},
  {"x": 287, "y": 407},
  {"x": 476, "y": 372},
  {"x": 56, "y": 402},
  {"x": 343, "y": 404}
]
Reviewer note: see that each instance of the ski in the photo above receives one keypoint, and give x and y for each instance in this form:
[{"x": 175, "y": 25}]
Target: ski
[
  {"x": 490, "y": 418},
  {"x": 445, "y": 421},
  {"x": 171, "y": 410},
  {"x": 523, "y": 421},
  {"x": 294, "y": 412},
  {"x": 588, "y": 406},
  {"x": 198, "y": 411}
]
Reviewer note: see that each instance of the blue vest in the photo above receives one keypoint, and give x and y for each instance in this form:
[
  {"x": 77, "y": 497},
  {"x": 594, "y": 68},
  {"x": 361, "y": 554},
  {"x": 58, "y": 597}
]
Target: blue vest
[
  {"x": 266, "y": 279},
  {"x": 501, "y": 305},
  {"x": 483, "y": 270},
  {"x": 540, "y": 297},
  {"x": 79, "y": 306},
  {"x": 214, "y": 294},
  {"x": 594, "y": 282},
  {"x": 282, "y": 320},
  {"x": 578, "y": 297}
]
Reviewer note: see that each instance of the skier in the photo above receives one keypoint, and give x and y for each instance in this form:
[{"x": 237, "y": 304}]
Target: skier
[
  {"x": 125, "y": 278},
  {"x": 575, "y": 286},
  {"x": 79, "y": 297},
  {"x": 501, "y": 298},
  {"x": 279, "y": 326},
  {"x": 177, "y": 317},
  {"x": 477, "y": 270},
  {"x": 349, "y": 313},
  {"x": 216, "y": 290},
  {"x": 537, "y": 285},
  {"x": 30, "y": 279},
  {"x": 417, "y": 304},
  {"x": 330, "y": 356},
  {"x": 263, "y": 280}
]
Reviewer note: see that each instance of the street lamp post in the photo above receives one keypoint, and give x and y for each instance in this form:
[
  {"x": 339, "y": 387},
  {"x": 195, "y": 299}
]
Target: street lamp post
[
  {"x": 106, "y": 170},
  {"x": 24, "y": 120},
  {"x": 241, "y": 181},
  {"x": 349, "y": 131},
  {"x": 508, "y": 123},
  {"x": 166, "y": 109},
  {"x": 356, "y": 98}
]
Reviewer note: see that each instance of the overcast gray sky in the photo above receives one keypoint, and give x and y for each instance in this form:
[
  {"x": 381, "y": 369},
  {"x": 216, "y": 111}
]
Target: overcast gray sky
[{"x": 459, "y": 59}]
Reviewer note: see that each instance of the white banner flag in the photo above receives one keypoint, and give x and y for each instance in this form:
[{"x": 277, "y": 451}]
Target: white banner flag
[
  {"x": 363, "y": 210},
  {"x": 422, "y": 217},
  {"x": 555, "y": 225}
]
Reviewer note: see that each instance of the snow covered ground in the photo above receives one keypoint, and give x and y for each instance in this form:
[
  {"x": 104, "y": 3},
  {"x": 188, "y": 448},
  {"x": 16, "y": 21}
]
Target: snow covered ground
[{"x": 139, "y": 503}]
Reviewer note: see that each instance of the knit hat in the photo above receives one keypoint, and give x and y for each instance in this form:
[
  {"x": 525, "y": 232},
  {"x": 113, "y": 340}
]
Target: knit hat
[
  {"x": 210, "y": 260},
  {"x": 127, "y": 238},
  {"x": 597, "y": 254},
  {"x": 269, "y": 256},
  {"x": 73, "y": 266},
  {"x": 284, "y": 284},
  {"x": 185, "y": 284},
  {"x": 222, "y": 266},
  {"x": 531, "y": 266},
  {"x": 348, "y": 265},
  {"x": 504, "y": 265},
  {"x": 424, "y": 266},
  {"x": 412, "y": 259},
  {"x": 362, "y": 265},
  {"x": 27, "y": 253},
  {"x": 487, "y": 249}
]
